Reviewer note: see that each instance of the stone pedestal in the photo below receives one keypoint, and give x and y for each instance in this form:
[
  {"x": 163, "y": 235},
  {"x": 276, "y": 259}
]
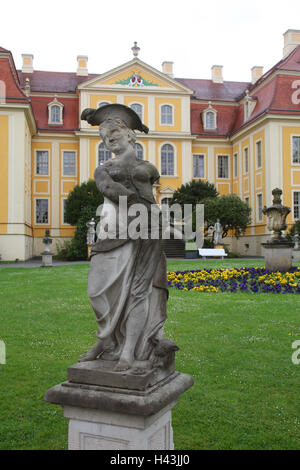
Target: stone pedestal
[
  {"x": 278, "y": 256},
  {"x": 47, "y": 258},
  {"x": 296, "y": 255},
  {"x": 133, "y": 414}
]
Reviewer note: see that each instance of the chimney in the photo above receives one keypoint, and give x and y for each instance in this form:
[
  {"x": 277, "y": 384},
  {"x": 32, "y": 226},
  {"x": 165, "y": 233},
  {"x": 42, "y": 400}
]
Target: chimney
[
  {"x": 216, "y": 73},
  {"x": 82, "y": 69},
  {"x": 256, "y": 73},
  {"x": 27, "y": 66},
  {"x": 291, "y": 41},
  {"x": 167, "y": 68}
]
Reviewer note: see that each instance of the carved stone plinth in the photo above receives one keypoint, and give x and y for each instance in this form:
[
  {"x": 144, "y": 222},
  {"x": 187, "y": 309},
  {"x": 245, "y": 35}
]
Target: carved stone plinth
[
  {"x": 47, "y": 258},
  {"x": 103, "y": 417},
  {"x": 278, "y": 256},
  {"x": 296, "y": 255}
]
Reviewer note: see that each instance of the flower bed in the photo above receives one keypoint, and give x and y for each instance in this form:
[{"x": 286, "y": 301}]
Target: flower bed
[{"x": 253, "y": 280}]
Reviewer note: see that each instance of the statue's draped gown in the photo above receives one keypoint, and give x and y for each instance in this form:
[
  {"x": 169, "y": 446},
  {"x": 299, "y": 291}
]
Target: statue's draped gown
[{"x": 127, "y": 275}]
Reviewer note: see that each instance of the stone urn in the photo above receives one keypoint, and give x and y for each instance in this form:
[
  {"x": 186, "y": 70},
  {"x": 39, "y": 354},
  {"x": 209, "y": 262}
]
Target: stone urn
[
  {"x": 276, "y": 215},
  {"x": 47, "y": 255},
  {"x": 278, "y": 250}
]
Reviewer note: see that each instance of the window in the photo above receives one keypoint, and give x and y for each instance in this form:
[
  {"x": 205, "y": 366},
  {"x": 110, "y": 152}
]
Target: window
[
  {"x": 102, "y": 103},
  {"x": 247, "y": 201},
  {"x": 55, "y": 112},
  {"x": 41, "y": 211},
  {"x": 258, "y": 154},
  {"x": 166, "y": 201},
  {"x": 235, "y": 165},
  {"x": 296, "y": 149},
  {"x": 296, "y": 200},
  {"x": 210, "y": 120},
  {"x": 167, "y": 160},
  {"x": 246, "y": 160},
  {"x": 64, "y": 212},
  {"x": 138, "y": 108},
  {"x": 198, "y": 166},
  {"x": 223, "y": 170},
  {"x": 139, "y": 150},
  {"x": 259, "y": 207},
  {"x": 42, "y": 162},
  {"x": 166, "y": 114},
  {"x": 247, "y": 110},
  {"x": 69, "y": 163},
  {"x": 103, "y": 154}
]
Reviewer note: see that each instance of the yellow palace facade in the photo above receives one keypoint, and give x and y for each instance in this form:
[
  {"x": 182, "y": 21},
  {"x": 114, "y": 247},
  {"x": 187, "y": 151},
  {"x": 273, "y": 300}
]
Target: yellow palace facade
[{"x": 244, "y": 137}]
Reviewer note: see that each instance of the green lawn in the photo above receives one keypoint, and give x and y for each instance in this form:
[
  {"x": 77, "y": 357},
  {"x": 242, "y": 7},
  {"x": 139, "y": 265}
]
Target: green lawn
[{"x": 238, "y": 348}]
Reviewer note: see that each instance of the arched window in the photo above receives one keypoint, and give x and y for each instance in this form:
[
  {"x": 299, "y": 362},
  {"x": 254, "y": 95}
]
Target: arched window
[
  {"x": 102, "y": 103},
  {"x": 138, "y": 108},
  {"x": 167, "y": 160},
  {"x": 210, "y": 120},
  {"x": 55, "y": 112},
  {"x": 103, "y": 154},
  {"x": 139, "y": 150},
  {"x": 166, "y": 200},
  {"x": 166, "y": 114}
]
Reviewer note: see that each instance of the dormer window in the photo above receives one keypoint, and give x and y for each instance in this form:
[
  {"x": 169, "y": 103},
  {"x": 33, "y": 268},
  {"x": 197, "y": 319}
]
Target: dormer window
[
  {"x": 210, "y": 118},
  {"x": 55, "y": 112},
  {"x": 249, "y": 105}
]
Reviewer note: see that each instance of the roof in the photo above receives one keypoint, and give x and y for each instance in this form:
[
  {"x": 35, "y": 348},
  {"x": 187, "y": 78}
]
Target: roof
[
  {"x": 53, "y": 82},
  {"x": 208, "y": 90}
]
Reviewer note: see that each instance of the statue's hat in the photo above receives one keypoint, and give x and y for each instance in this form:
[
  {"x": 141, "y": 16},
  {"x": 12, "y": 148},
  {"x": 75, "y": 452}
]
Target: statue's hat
[{"x": 110, "y": 111}]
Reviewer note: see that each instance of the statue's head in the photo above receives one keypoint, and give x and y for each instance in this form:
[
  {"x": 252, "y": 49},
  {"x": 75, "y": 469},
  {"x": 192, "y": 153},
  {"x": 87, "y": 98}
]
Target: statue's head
[{"x": 116, "y": 135}]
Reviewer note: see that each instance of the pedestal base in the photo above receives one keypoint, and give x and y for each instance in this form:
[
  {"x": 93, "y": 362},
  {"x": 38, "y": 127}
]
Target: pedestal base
[
  {"x": 47, "y": 259},
  {"x": 278, "y": 256},
  {"x": 296, "y": 255},
  {"x": 115, "y": 418}
]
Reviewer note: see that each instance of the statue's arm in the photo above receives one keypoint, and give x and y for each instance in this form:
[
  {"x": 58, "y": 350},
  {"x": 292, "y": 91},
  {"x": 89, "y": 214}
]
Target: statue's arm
[{"x": 110, "y": 188}]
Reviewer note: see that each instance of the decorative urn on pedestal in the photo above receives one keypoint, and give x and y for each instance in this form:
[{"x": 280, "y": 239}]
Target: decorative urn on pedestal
[
  {"x": 47, "y": 255},
  {"x": 278, "y": 250}
]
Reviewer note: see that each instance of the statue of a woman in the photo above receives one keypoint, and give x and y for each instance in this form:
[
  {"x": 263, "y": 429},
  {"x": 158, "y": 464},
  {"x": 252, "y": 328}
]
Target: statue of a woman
[
  {"x": 127, "y": 282},
  {"x": 217, "y": 233}
]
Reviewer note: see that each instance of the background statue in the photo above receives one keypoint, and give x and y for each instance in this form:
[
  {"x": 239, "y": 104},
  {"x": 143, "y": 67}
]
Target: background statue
[
  {"x": 127, "y": 282},
  {"x": 217, "y": 233}
]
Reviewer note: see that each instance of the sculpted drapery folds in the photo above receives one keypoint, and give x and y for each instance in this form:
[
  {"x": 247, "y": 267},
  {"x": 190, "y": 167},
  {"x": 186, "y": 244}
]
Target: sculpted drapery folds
[{"x": 127, "y": 282}]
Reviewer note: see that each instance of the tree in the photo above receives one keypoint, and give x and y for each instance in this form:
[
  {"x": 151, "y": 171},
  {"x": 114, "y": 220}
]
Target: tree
[
  {"x": 292, "y": 230},
  {"x": 81, "y": 206},
  {"x": 84, "y": 195},
  {"x": 234, "y": 214},
  {"x": 193, "y": 193}
]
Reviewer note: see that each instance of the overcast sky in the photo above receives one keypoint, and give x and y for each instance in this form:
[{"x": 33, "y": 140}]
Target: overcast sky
[{"x": 194, "y": 34}]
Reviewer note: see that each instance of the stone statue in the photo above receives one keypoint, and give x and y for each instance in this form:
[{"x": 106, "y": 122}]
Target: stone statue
[
  {"x": 90, "y": 236},
  {"x": 127, "y": 283},
  {"x": 217, "y": 233}
]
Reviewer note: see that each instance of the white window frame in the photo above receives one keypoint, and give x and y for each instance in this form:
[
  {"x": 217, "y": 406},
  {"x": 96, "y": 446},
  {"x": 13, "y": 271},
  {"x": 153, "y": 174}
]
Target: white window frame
[
  {"x": 63, "y": 166},
  {"x": 204, "y": 165},
  {"x": 175, "y": 160},
  {"x": 246, "y": 170},
  {"x": 97, "y": 152},
  {"x": 35, "y": 163},
  {"x": 258, "y": 218},
  {"x": 228, "y": 160},
  {"x": 43, "y": 224},
  {"x": 55, "y": 102},
  {"x": 235, "y": 165},
  {"x": 293, "y": 204},
  {"x": 256, "y": 154},
  {"x": 292, "y": 160},
  {"x": 160, "y": 114},
  {"x": 143, "y": 147},
  {"x": 63, "y": 212},
  {"x": 142, "y": 106}
]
